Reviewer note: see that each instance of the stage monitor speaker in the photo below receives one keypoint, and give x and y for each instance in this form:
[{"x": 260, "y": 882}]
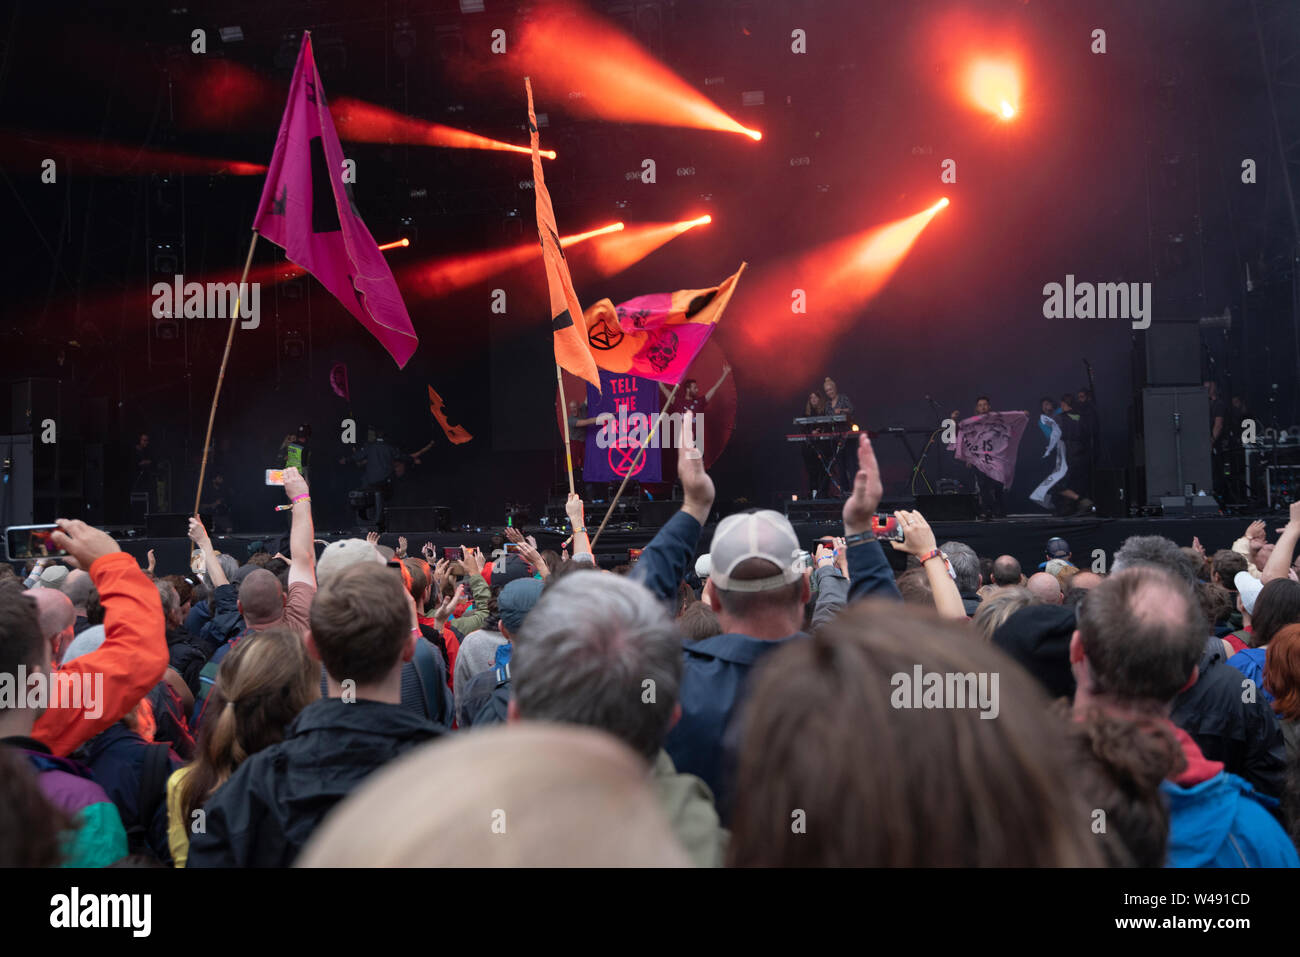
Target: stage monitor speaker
[
  {"x": 1176, "y": 441},
  {"x": 1173, "y": 352},
  {"x": 17, "y": 503},
  {"x": 656, "y": 514},
  {"x": 949, "y": 508},
  {"x": 172, "y": 554},
  {"x": 418, "y": 518},
  {"x": 167, "y": 525}
]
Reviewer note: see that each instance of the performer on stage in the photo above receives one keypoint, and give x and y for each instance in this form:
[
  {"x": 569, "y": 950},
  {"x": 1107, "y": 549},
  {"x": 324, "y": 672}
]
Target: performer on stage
[
  {"x": 144, "y": 470},
  {"x": 688, "y": 396},
  {"x": 578, "y": 422},
  {"x": 818, "y": 479},
  {"x": 293, "y": 451},
  {"x": 1077, "y": 439},
  {"x": 839, "y": 404},
  {"x": 990, "y": 491}
]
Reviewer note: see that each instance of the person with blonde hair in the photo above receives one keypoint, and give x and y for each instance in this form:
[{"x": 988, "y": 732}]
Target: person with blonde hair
[
  {"x": 994, "y": 611},
  {"x": 265, "y": 681},
  {"x": 533, "y": 794}
]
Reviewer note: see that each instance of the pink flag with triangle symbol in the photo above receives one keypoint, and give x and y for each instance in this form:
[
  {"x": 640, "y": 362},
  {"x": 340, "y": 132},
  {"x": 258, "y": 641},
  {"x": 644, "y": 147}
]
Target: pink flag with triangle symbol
[{"x": 306, "y": 208}]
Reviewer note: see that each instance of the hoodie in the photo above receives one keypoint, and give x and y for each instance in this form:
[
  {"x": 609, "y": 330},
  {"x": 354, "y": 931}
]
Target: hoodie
[{"x": 1216, "y": 819}]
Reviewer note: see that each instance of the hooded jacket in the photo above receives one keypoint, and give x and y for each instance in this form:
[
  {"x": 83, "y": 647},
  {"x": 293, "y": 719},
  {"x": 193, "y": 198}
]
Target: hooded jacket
[
  {"x": 1218, "y": 820},
  {"x": 97, "y": 838},
  {"x": 117, "y": 758},
  {"x": 269, "y": 808},
  {"x": 688, "y": 806},
  {"x": 1244, "y": 735}
]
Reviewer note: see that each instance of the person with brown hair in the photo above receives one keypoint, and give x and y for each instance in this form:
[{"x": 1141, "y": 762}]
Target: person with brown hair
[
  {"x": 698, "y": 621},
  {"x": 526, "y": 795},
  {"x": 1282, "y": 675},
  {"x": 363, "y": 629},
  {"x": 994, "y": 611},
  {"x": 262, "y": 685},
  {"x": 931, "y": 786},
  {"x": 1140, "y": 636}
]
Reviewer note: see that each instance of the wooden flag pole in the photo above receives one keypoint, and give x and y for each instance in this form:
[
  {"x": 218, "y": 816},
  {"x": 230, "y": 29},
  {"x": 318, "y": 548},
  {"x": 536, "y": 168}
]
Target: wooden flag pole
[
  {"x": 221, "y": 376},
  {"x": 635, "y": 466},
  {"x": 564, "y": 417}
]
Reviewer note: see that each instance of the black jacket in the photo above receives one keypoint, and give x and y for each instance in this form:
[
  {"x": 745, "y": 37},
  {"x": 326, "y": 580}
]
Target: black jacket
[
  {"x": 1244, "y": 736},
  {"x": 269, "y": 808}
]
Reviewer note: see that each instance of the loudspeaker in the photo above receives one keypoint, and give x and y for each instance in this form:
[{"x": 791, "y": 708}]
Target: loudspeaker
[
  {"x": 655, "y": 514},
  {"x": 418, "y": 518},
  {"x": 17, "y": 503},
  {"x": 949, "y": 508},
  {"x": 1176, "y": 441},
  {"x": 167, "y": 525},
  {"x": 1173, "y": 352}
]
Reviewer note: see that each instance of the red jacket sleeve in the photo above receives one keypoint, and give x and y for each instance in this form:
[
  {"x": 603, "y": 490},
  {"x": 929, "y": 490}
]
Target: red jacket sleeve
[{"x": 121, "y": 671}]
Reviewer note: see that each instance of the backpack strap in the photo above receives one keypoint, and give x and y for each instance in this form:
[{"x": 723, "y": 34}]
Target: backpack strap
[{"x": 153, "y": 787}]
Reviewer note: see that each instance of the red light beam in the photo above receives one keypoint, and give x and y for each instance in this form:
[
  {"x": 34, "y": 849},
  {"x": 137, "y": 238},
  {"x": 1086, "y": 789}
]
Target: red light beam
[{"x": 363, "y": 122}]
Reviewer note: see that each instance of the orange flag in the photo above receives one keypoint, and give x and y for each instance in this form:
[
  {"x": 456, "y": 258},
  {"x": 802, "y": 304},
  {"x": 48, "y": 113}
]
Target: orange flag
[
  {"x": 571, "y": 349},
  {"x": 455, "y": 434}
]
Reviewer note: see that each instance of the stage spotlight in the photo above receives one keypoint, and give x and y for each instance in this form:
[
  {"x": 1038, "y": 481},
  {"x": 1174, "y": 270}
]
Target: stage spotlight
[
  {"x": 231, "y": 34},
  {"x": 994, "y": 86},
  {"x": 395, "y": 243}
]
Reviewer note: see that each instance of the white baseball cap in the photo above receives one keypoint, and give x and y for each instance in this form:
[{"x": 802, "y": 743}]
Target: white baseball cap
[
  {"x": 1248, "y": 587},
  {"x": 762, "y": 534}
]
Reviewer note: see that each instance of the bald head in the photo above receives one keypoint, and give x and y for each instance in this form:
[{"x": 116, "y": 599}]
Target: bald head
[
  {"x": 1045, "y": 587},
  {"x": 1006, "y": 571},
  {"x": 77, "y": 587},
  {"x": 1082, "y": 581},
  {"x": 261, "y": 601},
  {"x": 56, "y": 616}
]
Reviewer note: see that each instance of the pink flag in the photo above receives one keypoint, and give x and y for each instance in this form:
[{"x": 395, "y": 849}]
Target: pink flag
[
  {"x": 990, "y": 443},
  {"x": 307, "y": 209}
]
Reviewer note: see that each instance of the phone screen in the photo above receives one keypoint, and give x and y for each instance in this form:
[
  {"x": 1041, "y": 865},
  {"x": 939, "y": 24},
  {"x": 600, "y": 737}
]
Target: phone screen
[
  {"x": 31, "y": 541},
  {"x": 886, "y": 528},
  {"x": 451, "y": 553},
  {"x": 275, "y": 476}
]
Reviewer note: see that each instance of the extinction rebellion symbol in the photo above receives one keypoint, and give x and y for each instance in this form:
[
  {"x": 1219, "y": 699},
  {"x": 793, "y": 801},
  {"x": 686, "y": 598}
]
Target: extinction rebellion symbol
[
  {"x": 622, "y": 457},
  {"x": 604, "y": 336}
]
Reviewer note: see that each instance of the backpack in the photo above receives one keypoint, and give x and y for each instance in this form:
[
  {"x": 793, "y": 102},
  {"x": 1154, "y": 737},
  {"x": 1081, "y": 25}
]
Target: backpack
[{"x": 154, "y": 771}]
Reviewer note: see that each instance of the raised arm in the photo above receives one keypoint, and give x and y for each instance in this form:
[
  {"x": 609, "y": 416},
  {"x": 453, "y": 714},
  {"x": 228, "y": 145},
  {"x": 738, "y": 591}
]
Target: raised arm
[
  {"x": 302, "y": 533},
  {"x": 918, "y": 540},
  {"x": 1279, "y": 563},
  {"x": 199, "y": 535},
  {"x": 869, "y": 571},
  {"x": 581, "y": 542},
  {"x": 664, "y": 561},
  {"x": 726, "y": 371}
]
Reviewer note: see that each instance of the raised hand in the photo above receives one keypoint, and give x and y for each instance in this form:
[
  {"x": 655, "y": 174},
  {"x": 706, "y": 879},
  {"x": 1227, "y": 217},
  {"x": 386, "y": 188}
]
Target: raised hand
[
  {"x": 867, "y": 490},
  {"x": 1257, "y": 531},
  {"x": 83, "y": 543},
  {"x": 918, "y": 537},
  {"x": 442, "y": 614},
  {"x": 401, "y": 547},
  {"x": 294, "y": 484},
  {"x": 373, "y": 538},
  {"x": 697, "y": 487},
  {"x": 198, "y": 534}
]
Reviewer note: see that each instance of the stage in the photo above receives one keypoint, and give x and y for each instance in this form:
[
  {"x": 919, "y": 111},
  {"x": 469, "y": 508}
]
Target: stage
[{"x": 1093, "y": 541}]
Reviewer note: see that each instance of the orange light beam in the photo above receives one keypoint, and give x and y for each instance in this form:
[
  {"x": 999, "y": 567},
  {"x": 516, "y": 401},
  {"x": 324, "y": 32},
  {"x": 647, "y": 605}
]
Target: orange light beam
[
  {"x": 447, "y": 275},
  {"x": 363, "y": 122},
  {"x": 600, "y": 71},
  {"x": 395, "y": 243},
  {"x": 613, "y": 254}
]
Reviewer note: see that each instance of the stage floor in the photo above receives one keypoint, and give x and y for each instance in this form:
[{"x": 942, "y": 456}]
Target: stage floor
[{"x": 1093, "y": 541}]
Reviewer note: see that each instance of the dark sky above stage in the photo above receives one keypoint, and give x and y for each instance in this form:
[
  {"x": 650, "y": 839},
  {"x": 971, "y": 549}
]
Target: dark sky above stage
[{"x": 1121, "y": 167}]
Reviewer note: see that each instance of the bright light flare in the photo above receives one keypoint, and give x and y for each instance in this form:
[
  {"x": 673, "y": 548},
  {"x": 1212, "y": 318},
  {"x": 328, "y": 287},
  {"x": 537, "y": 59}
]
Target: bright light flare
[
  {"x": 395, "y": 243},
  {"x": 567, "y": 241},
  {"x": 601, "y": 72},
  {"x": 994, "y": 86},
  {"x": 362, "y": 122}
]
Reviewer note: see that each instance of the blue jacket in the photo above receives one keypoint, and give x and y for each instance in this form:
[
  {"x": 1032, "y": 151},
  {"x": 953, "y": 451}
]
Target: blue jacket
[
  {"x": 1223, "y": 822},
  {"x": 1251, "y": 664},
  {"x": 716, "y": 670}
]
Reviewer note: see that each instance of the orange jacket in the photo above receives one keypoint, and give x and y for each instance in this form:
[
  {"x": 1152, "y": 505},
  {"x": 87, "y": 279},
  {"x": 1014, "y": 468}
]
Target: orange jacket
[{"x": 132, "y": 659}]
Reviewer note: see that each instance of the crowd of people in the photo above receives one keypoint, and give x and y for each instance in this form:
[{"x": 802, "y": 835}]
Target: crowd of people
[{"x": 755, "y": 706}]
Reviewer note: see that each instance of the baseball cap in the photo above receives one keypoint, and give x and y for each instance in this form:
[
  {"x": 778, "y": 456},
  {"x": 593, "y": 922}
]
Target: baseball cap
[
  {"x": 53, "y": 576},
  {"x": 1248, "y": 587},
  {"x": 1058, "y": 548},
  {"x": 703, "y": 565},
  {"x": 517, "y": 600},
  {"x": 344, "y": 554},
  {"x": 761, "y": 534}
]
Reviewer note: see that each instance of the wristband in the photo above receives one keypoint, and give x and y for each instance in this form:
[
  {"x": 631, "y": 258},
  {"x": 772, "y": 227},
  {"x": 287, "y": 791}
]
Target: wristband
[
  {"x": 932, "y": 553},
  {"x": 859, "y": 539},
  {"x": 299, "y": 498}
]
